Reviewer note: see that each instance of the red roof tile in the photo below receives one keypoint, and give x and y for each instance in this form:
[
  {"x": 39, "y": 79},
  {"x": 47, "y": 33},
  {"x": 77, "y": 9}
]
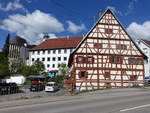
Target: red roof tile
[{"x": 70, "y": 42}]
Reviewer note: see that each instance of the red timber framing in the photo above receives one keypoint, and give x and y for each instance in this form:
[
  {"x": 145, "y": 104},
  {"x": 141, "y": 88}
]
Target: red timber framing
[{"x": 107, "y": 56}]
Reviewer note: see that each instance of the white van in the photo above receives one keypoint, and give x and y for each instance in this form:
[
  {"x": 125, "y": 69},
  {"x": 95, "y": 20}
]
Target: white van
[{"x": 51, "y": 86}]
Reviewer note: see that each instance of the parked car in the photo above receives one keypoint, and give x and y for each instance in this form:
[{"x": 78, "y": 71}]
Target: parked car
[
  {"x": 147, "y": 80},
  {"x": 37, "y": 87},
  {"x": 51, "y": 87}
]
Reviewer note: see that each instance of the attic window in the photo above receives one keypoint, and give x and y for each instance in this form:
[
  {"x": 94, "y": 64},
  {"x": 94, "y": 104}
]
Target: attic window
[
  {"x": 98, "y": 45},
  {"x": 80, "y": 59},
  {"x": 108, "y": 31},
  {"x": 139, "y": 61},
  {"x": 115, "y": 59},
  {"x": 121, "y": 46},
  {"x": 132, "y": 61},
  {"x": 90, "y": 60}
]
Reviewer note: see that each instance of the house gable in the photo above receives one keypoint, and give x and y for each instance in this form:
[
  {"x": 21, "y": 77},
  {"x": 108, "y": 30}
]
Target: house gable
[{"x": 109, "y": 29}]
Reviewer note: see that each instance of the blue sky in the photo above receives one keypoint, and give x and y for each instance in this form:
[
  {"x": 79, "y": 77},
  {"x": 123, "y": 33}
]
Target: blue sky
[{"x": 31, "y": 19}]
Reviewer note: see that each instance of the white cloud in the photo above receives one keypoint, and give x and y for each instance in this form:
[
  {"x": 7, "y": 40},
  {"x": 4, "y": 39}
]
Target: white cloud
[
  {"x": 129, "y": 10},
  {"x": 131, "y": 6},
  {"x": 32, "y": 25},
  {"x": 114, "y": 10},
  {"x": 139, "y": 30},
  {"x": 73, "y": 28},
  {"x": 12, "y": 6}
]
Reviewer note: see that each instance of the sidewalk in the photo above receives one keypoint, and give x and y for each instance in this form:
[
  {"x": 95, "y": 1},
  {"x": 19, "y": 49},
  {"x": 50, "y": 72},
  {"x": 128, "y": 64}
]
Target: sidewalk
[{"x": 40, "y": 100}]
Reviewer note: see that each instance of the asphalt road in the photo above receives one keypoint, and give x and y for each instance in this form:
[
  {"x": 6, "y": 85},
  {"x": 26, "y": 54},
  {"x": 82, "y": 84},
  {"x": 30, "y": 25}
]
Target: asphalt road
[{"x": 109, "y": 101}]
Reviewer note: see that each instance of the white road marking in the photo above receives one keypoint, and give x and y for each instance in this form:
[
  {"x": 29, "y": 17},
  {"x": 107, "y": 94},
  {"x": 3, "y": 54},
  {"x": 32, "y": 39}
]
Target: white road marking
[{"x": 128, "y": 109}]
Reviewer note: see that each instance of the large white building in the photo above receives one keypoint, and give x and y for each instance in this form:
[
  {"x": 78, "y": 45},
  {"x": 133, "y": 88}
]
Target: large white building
[
  {"x": 144, "y": 45},
  {"x": 53, "y": 52}
]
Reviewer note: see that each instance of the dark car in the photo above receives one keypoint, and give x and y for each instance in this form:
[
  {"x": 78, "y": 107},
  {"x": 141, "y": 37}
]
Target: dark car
[{"x": 37, "y": 87}]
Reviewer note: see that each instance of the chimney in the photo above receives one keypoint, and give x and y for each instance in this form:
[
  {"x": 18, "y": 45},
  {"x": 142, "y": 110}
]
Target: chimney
[
  {"x": 100, "y": 12},
  {"x": 45, "y": 37}
]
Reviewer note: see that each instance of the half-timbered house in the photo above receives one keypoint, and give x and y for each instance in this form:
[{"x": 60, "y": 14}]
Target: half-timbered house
[{"x": 107, "y": 57}]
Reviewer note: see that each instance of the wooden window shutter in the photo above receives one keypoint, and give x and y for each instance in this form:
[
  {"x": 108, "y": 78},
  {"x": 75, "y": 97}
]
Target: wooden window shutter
[
  {"x": 108, "y": 31},
  {"x": 98, "y": 45},
  {"x": 86, "y": 74},
  {"x": 133, "y": 77},
  {"x": 84, "y": 59}
]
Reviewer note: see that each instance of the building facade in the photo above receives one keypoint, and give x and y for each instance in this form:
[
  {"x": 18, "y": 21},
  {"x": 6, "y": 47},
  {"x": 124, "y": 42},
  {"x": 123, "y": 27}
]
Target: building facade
[
  {"x": 144, "y": 45},
  {"x": 18, "y": 55},
  {"x": 107, "y": 57},
  {"x": 53, "y": 52}
]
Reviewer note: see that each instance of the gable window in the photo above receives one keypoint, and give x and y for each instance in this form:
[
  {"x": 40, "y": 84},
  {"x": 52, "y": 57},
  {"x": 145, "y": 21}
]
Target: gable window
[
  {"x": 115, "y": 59},
  {"x": 80, "y": 59},
  {"x": 108, "y": 31},
  {"x": 83, "y": 74},
  {"x": 139, "y": 61},
  {"x": 122, "y": 47},
  {"x": 135, "y": 61},
  {"x": 98, "y": 45},
  {"x": 132, "y": 61},
  {"x": 33, "y": 52},
  {"x": 90, "y": 60}
]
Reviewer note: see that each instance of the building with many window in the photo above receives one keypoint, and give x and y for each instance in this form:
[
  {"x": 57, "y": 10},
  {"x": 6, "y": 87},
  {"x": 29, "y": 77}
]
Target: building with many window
[
  {"x": 53, "y": 52},
  {"x": 144, "y": 45},
  {"x": 107, "y": 57}
]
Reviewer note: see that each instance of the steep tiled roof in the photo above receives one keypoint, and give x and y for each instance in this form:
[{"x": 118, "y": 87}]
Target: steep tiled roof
[
  {"x": 67, "y": 42},
  {"x": 146, "y": 41}
]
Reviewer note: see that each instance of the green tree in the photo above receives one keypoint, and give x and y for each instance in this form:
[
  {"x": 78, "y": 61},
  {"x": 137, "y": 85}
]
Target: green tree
[
  {"x": 63, "y": 74},
  {"x": 4, "y": 63},
  {"x": 5, "y": 50},
  {"x": 16, "y": 65},
  {"x": 36, "y": 69}
]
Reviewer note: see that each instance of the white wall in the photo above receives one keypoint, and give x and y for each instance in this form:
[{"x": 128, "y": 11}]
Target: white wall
[
  {"x": 19, "y": 79},
  {"x": 34, "y": 55},
  {"x": 146, "y": 50}
]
